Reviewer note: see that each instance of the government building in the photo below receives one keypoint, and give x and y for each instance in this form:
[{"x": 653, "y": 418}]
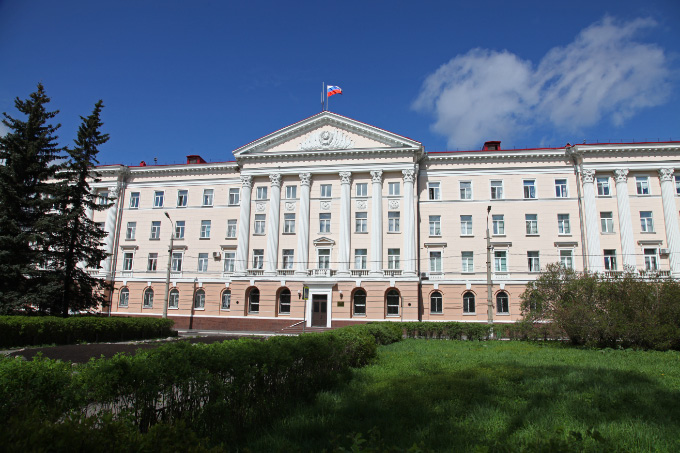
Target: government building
[{"x": 330, "y": 222}]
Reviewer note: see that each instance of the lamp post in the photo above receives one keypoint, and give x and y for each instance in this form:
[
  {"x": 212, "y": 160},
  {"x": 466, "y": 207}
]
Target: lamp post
[
  {"x": 167, "y": 275},
  {"x": 489, "y": 287}
]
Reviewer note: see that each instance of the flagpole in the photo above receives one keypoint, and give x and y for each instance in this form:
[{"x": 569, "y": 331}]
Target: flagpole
[{"x": 322, "y": 102}]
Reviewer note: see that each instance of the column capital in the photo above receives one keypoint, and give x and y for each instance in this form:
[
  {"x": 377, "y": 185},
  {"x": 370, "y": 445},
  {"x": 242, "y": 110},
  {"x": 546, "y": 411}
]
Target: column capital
[
  {"x": 305, "y": 179},
  {"x": 621, "y": 175},
  {"x": 408, "y": 174},
  {"x": 666, "y": 174},
  {"x": 246, "y": 181},
  {"x": 376, "y": 176},
  {"x": 588, "y": 175},
  {"x": 346, "y": 177},
  {"x": 275, "y": 179}
]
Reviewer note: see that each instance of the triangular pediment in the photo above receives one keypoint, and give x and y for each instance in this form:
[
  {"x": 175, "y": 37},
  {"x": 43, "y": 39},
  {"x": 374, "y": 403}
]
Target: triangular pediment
[
  {"x": 323, "y": 241},
  {"x": 326, "y": 132}
]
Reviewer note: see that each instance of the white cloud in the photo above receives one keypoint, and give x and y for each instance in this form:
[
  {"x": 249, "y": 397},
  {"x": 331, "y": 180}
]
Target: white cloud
[{"x": 602, "y": 74}]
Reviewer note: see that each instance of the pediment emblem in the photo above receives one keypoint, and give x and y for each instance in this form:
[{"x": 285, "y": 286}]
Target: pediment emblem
[{"x": 325, "y": 139}]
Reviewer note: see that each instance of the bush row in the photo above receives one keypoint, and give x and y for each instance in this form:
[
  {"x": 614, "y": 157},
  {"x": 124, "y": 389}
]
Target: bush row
[{"x": 36, "y": 330}]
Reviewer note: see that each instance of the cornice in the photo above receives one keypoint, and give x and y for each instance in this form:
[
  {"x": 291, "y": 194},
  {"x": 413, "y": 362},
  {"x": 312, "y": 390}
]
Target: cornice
[
  {"x": 502, "y": 156},
  {"x": 315, "y": 154}
]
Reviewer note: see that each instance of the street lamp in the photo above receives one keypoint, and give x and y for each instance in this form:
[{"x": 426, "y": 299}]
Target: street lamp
[
  {"x": 167, "y": 275},
  {"x": 489, "y": 288}
]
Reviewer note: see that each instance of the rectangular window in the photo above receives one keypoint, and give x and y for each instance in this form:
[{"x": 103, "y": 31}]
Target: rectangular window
[
  {"x": 393, "y": 222},
  {"x": 434, "y": 190},
  {"x": 326, "y": 190},
  {"x": 561, "y": 188},
  {"x": 435, "y": 261},
  {"x": 360, "y": 258},
  {"x": 324, "y": 258},
  {"x": 610, "y": 260},
  {"x": 289, "y": 223},
  {"x": 567, "y": 258},
  {"x": 229, "y": 261},
  {"x": 176, "y": 262},
  {"x": 603, "y": 186},
  {"x": 258, "y": 258},
  {"x": 467, "y": 263},
  {"x": 234, "y": 196},
  {"x": 124, "y": 298},
  {"x": 103, "y": 198},
  {"x": 393, "y": 258},
  {"x": 231, "y": 228},
  {"x": 496, "y": 190},
  {"x": 529, "y": 188},
  {"x": 533, "y": 261},
  {"x": 226, "y": 300},
  {"x": 158, "y": 199},
  {"x": 563, "y": 226},
  {"x": 435, "y": 225},
  {"x": 651, "y": 260},
  {"x": 607, "y": 222},
  {"x": 155, "y": 230},
  {"x": 131, "y": 229},
  {"x": 500, "y": 259},
  {"x": 152, "y": 262},
  {"x": 642, "y": 185},
  {"x": 261, "y": 193},
  {"x": 647, "y": 221},
  {"x": 202, "y": 262},
  {"x": 205, "y": 229},
  {"x": 208, "y": 197},
  {"x": 182, "y": 198},
  {"x": 362, "y": 189},
  {"x": 291, "y": 192},
  {"x": 361, "y": 222},
  {"x": 498, "y": 224},
  {"x": 324, "y": 223},
  {"x": 531, "y": 221},
  {"x": 288, "y": 258},
  {"x": 466, "y": 190},
  {"x": 134, "y": 200},
  {"x": 394, "y": 189},
  {"x": 259, "y": 223},
  {"x": 466, "y": 225},
  {"x": 127, "y": 261}
]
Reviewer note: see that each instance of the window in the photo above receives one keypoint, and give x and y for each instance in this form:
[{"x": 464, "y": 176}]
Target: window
[
  {"x": 326, "y": 190},
  {"x": 466, "y": 190},
  {"x": 325, "y": 223},
  {"x": 124, "y": 297},
  {"x": 261, "y": 193},
  {"x": 561, "y": 188},
  {"x": 567, "y": 258},
  {"x": 651, "y": 260},
  {"x": 393, "y": 258},
  {"x": 468, "y": 302},
  {"x": 103, "y": 198},
  {"x": 288, "y": 258},
  {"x": 173, "y": 299},
  {"x": 607, "y": 222},
  {"x": 289, "y": 223},
  {"x": 131, "y": 229},
  {"x": 467, "y": 262},
  {"x": 677, "y": 185},
  {"x": 435, "y": 225},
  {"x": 359, "y": 302},
  {"x": 324, "y": 258},
  {"x": 642, "y": 185},
  {"x": 291, "y": 192},
  {"x": 394, "y": 189},
  {"x": 498, "y": 224},
  {"x": 466, "y": 225},
  {"x": 234, "y": 196},
  {"x": 254, "y": 301},
  {"x": 434, "y": 190},
  {"x": 259, "y": 223},
  {"x": 176, "y": 262},
  {"x": 179, "y": 229},
  {"x": 436, "y": 302},
  {"x": 205, "y": 229},
  {"x": 563, "y": 226},
  {"x": 529, "y": 188},
  {"x": 435, "y": 261},
  {"x": 148, "y": 298},
  {"x": 360, "y": 258},
  {"x": 199, "y": 300},
  {"x": 229, "y": 260},
  {"x": 226, "y": 299},
  {"x": 533, "y": 261},
  {"x": 182, "y": 198},
  {"x": 258, "y": 258},
  {"x": 101, "y": 226},
  {"x": 284, "y": 301},
  {"x": 362, "y": 189},
  {"x": 134, "y": 201},
  {"x": 208, "y": 197},
  {"x": 531, "y": 221},
  {"x": 202, "y": 262},
  {"x": 393, "y": 300},
  {"x": 158, "y": 199},
  {"x": 610, "y": 260},
  {"x": 155, "y": 230},
  {"x": 647, "y": 221},
  {"x": 361, "y": 222},
  {"x": 152, "y": 262},
  {"x": 393, "y": 222},
  {"x": 500, "y": 258},
  {"x": 496, "y": 190},
  {"x": 603, "y": 186},
  {"x": 502, "y": 306},
  {"x": 231, "y": 228}
]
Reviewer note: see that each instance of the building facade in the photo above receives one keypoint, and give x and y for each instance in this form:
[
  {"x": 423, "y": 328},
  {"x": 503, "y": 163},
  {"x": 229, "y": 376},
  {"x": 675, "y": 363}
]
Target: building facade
[{"x": 370, "y": 227}]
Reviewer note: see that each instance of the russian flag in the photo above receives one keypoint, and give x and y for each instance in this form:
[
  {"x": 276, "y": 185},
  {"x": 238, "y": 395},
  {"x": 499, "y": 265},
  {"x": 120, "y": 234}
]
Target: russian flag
[{"x": 331, "y": 90}]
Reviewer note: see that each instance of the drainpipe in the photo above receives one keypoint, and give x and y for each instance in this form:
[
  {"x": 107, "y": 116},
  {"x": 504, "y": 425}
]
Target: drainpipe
[
  {"x": 122, "y": 184},
  {"x": 577, "y": 172}
]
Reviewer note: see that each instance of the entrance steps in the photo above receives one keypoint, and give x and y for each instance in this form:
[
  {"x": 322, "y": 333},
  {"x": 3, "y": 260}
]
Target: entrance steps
[{"x": 299, "y": 327}]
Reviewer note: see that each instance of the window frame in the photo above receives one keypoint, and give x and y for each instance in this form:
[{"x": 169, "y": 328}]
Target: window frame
[
  {"x": 467, "y": 231},
  {"x": 496, "y": 189},
  {"x": 325, "y": 222},
  {"x": 225, "y": 297},
  {"x": 532, "y": 189},
  {"x": 393, "y": 221},
  {"x": 434, "y": 190},
  {"x": 498, "y": 224},
  {"x": 564, "y": 224},
  {"x": 130, "y": 231},
  {"x": 467, "y": 295},
  {"x": 610, "y": 261},
  {"x": 134, "y": 200},
  {"x": 500, "y": 262},
  {"x": 289, "y": 223},
  {"x": 323, "y": 260},
  {"x": 288, "y": 258},
  {"x": 607, "y": 222},
  {"x": 531, "y": 224},
  {"x": 229, "y": 265},
  {"x": 285, "y": 292},
  {"x": 567, "y": 256},
  {"x": 326, "y": 191},
  {"x": 360, "y": 259},
  {"x": 465, "y": 192},
  {"x": 158, "y": 198},
  {"x": 435, "y": 261},
  {"x": 435, "y": 222},
  {"x": 361, "y": 189},
  {"x": 651, "y": 257},
  {"x": 261, "y": 193},
  {"x": 534, "y": 261},
  {"x": 155, "y": 233},
  {"x": 180, "y": 229},
  {"x": 394, "y": 189},
  {"x": 124, "y": 301},
  {"x": 232, "y": 228},
  {"x": 234, "y": 196},
  {"x": 254, "y": 300},
  {"x": 291, "y": 192},
  {"x": 199, "y": 299},
  {"x": 173, "y": 299},
  {"x": 561, "y": 189},
  {"x": 206, "y": 226},
  {"x": 182, "y": 198},
  {"x": 502, "y": 303},
  {"x": 203, "y": 259},
  {"x": 393, "y": 259},
  {"x": 258, "y": 259},
  {"x": 177, "y": 261},
  {"x": 647, "y": 222},
  {"x": 603, "y": 185},
  {"x": 467, "y": 261},
  {"x": 208, "y": 198},
  {"x": 361, "y": 223},
  {"x": 260, "y": 224},
  {"x": 642, "y": 185},
  {"x": 152, "y": 262},
  {"x": 362, "y": 294},
  {"x": 392, "y": 296},
  {"x": 436, "y": 303},
  {"x": 147, "y": 298}
]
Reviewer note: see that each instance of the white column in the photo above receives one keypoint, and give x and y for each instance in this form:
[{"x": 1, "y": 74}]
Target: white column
[
  {"x": 345, "y": 223},
  {"x": 595, "y": 261},
  {"x": 409, "y": 224},
  {"x": 303, "y": 229},
  {"x": 670, "y": 215},
  {"x": 273, "y": 226},
  {"x": 244, "y": 226},
  {"x": 110, "y": 227},
  {"x": 625, "y": 220},
  {"x": 376, "y": 224}
]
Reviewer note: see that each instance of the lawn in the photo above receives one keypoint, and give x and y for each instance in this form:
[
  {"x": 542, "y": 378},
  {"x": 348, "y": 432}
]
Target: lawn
[{"x": 493, "y": 396}]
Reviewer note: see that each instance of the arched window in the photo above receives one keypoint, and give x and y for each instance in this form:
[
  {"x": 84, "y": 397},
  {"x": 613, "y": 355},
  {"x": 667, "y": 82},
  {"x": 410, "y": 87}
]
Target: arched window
[
  {"x": 436, "y": 302},
  {"x": 148, "y": 298},
  {"x": 502, "y": 302},
  {"x": 124, "y": 297},
  {"x": 393, "y": 299},
  {"x": 199, "y": 300},
  {"x": 284, "y": 301},
  {"x": 359, "y": 302},
  {"x": 468, "y": 302},
  {"x": 254, "y": 301},
  {"x": 226, "y": 299},
  {"x": 173, "y": 300}
]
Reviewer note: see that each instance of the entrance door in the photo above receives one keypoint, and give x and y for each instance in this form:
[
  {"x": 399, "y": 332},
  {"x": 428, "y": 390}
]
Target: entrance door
[{"x": 319, "y": 310}]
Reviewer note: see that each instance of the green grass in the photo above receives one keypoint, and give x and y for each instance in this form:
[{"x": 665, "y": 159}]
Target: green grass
[{"x": 493, "y": 396}]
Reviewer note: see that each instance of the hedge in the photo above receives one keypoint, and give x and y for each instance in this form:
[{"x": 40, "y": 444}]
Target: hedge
[{"x": 37, "y": 330}]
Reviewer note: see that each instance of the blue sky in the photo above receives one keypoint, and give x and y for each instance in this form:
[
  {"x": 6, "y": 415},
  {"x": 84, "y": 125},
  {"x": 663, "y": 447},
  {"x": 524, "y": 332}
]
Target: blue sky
[{"x": 205, "y": 77}]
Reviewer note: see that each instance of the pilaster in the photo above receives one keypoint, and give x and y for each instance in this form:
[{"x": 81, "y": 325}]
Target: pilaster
[
  {"x": 345, "y": 222},
  {"x": 303, "y": 230},
  {"x": 273, "y": 224},
  {"x": 595, "y": 259},
  {"x": 625, "y": 220},
  {"x": 376, "y": 223},
  {"x": 409, "y": 223},
  {"x": 244, "y": 226}
]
